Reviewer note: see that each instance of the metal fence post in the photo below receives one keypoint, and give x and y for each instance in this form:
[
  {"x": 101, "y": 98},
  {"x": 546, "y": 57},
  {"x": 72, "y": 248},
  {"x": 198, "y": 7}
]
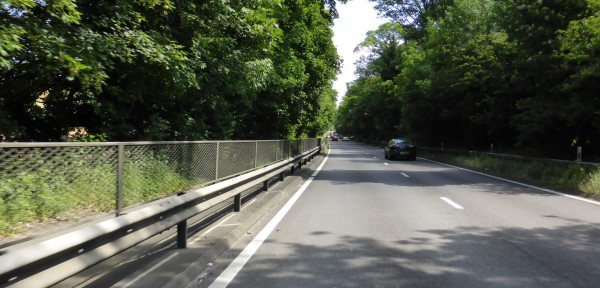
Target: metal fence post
[
  {"x": 120, "y": 161},
  {"x": 255, "y": 154},
  {"x": 579, "y": 153},
  {"x": 217, "y": 163}
]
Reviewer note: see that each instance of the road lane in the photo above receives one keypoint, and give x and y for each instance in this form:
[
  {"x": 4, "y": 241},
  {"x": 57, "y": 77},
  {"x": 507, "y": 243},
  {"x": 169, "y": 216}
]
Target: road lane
[{"x": 364, "y": 224}]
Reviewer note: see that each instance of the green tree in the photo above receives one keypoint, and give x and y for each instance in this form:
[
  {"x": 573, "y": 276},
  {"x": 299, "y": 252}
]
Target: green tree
[
  {"x": 413, "y": 15},
  {"x": 579, "y": 101},
  {"x": 165, "y": 69}
]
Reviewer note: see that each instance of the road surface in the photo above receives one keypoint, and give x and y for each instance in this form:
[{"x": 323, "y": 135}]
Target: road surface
[{"x": 364, "y": 221}]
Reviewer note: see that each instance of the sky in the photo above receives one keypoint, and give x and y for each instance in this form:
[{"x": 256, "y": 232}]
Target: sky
[{"x": 357, "y": 17}]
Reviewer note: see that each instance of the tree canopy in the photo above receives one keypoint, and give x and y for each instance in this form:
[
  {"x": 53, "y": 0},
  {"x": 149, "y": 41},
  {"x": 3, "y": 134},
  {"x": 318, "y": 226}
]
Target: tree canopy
[
  {"x": 166, "y": 69},
  {"x": 522, "y": 75}
]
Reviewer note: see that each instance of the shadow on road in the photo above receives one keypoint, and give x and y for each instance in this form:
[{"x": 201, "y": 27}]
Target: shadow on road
[{"x": 563, "y": 256}]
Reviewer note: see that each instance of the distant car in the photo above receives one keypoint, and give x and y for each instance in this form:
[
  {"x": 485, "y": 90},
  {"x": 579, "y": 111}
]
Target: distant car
[
  {"x": 345, "y": 138},
  {"x": 333, "y": 137},
  {"x": 400, "y": 148}
]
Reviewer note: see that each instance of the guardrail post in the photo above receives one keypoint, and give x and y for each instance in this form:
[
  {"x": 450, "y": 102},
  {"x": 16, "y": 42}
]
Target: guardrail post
[
  {"x": 266, "y": 185},
  {"x": 281, "y": 176},
  {"x": 319, "y": 145},
  {"x": 492, "y": 148},
  {"x": 120, "y": 161},
  {"x": 237, "y": 203},
  {"x": 182, "y": 234},
  {"x": 182, "y": 231},
  {"x": 579, "y": 153}
]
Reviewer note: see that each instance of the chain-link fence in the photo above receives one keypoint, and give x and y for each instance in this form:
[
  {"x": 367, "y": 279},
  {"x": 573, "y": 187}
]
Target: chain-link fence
[{"x": 49, "y": 180}]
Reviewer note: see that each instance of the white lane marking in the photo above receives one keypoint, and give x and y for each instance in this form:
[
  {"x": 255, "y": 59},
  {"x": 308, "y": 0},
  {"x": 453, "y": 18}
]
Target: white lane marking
[
  {"x": 251, "y": 201},
  {"x": 374, "y": 157},
  {"x": 522, "y": 184},
  {"x": 212, "y": 228},
  {"x": 150, "y": 270},
  {"x": 404, "y": 174},
  {"x": 452, "y": 203},
  {"x": 236, "y": 266},
  {"x": 384, "y": 163}
]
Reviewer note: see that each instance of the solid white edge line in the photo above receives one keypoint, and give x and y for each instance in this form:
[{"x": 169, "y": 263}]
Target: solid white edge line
[
  {"x": 519, "y": 183},
  {"x": 452, "y": 203},
  {"x": 405, "y": 175},
  {"x": 211, "y": 229},
  {"x": 250, "y": 203},
  {"x": 234, "y": 268},
  {"x": 150, "y": 270}
]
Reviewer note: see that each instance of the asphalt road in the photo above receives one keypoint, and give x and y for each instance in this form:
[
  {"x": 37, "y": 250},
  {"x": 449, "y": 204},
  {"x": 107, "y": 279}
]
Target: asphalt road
[{"x": 364, "y": 221}]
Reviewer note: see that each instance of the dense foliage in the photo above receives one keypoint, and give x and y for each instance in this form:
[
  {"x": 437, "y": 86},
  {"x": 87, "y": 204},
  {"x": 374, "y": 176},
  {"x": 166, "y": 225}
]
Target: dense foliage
[
  {"x": 166, "y": 69},
  {"x": 522, "y": 75}
]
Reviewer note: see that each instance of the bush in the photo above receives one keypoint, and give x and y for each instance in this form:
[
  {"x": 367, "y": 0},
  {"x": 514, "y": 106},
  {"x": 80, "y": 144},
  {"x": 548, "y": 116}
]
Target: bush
[
  {"x": 150, "y": 177},
  {"x": 591, "y": 184},
  {"x": 35, "y": 196},
  {"x": 30, "y": 197}
]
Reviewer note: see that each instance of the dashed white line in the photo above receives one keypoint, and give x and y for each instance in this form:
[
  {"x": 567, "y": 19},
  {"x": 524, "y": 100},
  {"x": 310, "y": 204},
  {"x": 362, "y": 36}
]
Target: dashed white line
[
  {"x": 384, "y": 163},
  {"x": 452, "y": 203},
  {"x": 404, "y": 174}
]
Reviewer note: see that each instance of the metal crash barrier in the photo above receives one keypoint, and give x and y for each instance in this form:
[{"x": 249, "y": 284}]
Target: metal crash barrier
[{"x": 53, "y": 260}]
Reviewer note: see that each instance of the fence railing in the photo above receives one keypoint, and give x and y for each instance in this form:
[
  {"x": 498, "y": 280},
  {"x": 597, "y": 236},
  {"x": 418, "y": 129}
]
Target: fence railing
[
  {"x": 45, "y": 263},
  {"x": 40, "y": 180}
]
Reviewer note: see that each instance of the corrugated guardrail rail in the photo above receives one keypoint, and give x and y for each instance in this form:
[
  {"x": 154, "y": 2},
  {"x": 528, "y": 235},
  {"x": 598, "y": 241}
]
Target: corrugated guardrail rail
[{"x": 235, "y": 167}]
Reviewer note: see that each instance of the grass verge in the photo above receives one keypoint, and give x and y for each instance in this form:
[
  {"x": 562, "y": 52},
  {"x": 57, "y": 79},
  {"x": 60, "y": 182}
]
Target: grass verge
[{"x": 568, "y": 177}]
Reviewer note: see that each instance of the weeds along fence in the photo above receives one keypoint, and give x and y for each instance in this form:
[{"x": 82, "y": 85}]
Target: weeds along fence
[
  {"x": 575, "y": 175},
  {"x": 50, "y": 180}
]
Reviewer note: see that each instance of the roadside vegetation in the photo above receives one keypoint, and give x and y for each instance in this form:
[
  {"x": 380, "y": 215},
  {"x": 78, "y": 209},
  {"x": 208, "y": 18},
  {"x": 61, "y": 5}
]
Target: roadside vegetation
[
  {"x": 61, "y": 194},
  {"x": 522, "y": 75},
  {"x": 166, "y": 70},
  {"x": 139, "y": 70}
]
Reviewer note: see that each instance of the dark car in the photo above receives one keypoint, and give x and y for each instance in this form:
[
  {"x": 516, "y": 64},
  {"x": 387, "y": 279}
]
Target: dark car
[
  {"x": 333, "y": 137},
  {"x": 400, "y": 148}
]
